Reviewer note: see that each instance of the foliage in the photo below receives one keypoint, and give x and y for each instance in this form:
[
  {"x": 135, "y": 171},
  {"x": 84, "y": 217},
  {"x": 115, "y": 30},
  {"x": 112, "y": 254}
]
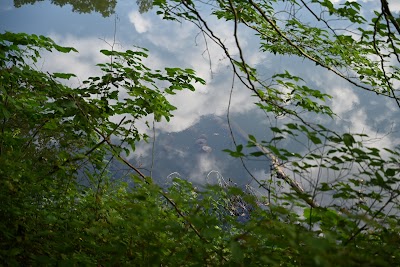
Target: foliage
[
  {"x": 337, "y": 174},
  {"x": 62, "y": 204},
  {"x": 144, "y": 5},
  {"x": 104, "y": 7},
  {"x": 53, "y": 136}
]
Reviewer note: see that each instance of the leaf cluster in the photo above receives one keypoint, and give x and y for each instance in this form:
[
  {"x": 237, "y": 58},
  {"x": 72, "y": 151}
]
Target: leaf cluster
[{"x": 63, "y": 205}]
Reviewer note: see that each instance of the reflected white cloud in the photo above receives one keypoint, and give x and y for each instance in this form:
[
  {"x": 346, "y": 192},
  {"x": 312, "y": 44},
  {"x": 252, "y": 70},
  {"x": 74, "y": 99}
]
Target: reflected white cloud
[
  {"x": 206, "y": 100},
  {"x": 394, "y": 5},
  {"x": 185, "y": 50},
  {"x": 344, "y": 100},
  {"x": 82, "y": 63},
  {"x": 180, "y": 45},
  {"x": 141, "y": 22},
  {"x": 193, "y": 105},
  {"x": 172, "y": 37},
  {"x": 205, "y": 163}
]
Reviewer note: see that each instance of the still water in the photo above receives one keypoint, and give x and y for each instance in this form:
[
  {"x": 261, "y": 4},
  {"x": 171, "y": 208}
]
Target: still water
[{"x": 190, "y": 145}]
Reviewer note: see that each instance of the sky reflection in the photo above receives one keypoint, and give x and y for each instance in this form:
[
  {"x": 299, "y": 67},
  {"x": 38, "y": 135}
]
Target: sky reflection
[{"x": 202, "y": 112}]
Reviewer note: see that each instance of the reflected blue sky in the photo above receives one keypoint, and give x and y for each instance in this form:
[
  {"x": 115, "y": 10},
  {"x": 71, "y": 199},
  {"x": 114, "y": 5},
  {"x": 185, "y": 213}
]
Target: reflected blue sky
[{"x": 202, "y": 112}]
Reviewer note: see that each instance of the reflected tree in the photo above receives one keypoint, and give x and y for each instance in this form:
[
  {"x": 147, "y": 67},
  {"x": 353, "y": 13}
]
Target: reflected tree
[
  {"x": 104, "y": 7},
  {"x": 144, "y": 5}
]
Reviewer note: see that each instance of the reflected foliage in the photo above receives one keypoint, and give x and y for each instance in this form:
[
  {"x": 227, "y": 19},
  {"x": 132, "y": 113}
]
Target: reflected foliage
[
  {"x": 104, "y": 7},
  {"x": 144, "y": 5}
]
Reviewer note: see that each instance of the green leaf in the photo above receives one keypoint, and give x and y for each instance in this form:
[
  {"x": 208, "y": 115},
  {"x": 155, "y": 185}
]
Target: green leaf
[
  {"x": 379, "y": 179},
  {"x": 325, "y": 187},
  {"x": 314, "y": 139},
  {"x": 239, "y": 148},
  {"x": 348, "y": 139},
  {"x": 235, "y": 154},
  {"x": 5, "y": 113},
  {"x": 65, "y": 49},
  {"x": 391, "y": 172},
  {"x": 237, "y": 253},
  {"x": 66, "y": 76},
  {"x": 252, "y": 138},
  {"x": 276, "y": 129},
  {"x": 292, "y": 126},
  {"x": 107, "y": 52},
  {"x": 257, "y": 154}
]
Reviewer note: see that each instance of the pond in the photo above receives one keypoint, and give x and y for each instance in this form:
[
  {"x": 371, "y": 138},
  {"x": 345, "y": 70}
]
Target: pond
[{"x": 191, "y": 145}]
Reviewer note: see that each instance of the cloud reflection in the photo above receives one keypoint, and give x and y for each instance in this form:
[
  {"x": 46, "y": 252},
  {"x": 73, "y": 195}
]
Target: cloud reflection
[
  {"x": 141, "y": 22},
  {"x": 173, "y": 44}
]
